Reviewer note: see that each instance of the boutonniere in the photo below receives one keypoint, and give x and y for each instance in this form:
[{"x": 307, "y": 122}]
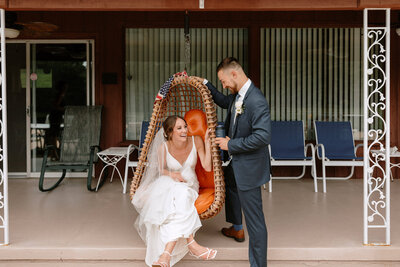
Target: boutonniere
[{"x": 239, "y": 106}]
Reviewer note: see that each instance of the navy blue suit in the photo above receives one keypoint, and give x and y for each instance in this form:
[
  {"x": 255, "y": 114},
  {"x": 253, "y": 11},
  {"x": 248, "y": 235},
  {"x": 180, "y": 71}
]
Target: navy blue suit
[{"x": 249, "y": 167}]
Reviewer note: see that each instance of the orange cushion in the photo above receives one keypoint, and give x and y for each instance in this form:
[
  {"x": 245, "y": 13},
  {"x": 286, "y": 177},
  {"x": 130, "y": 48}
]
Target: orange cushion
[
  {"x": 206, "y": 179},
  {"x": 205, "y": 199},
  {"x": 197, "y": 125},
  {"x": 197, "y": 122}
]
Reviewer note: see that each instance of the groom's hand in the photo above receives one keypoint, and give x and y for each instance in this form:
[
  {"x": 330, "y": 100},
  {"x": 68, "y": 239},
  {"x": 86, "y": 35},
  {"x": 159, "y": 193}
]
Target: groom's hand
[
  {"x": 222, "y": 142},
  {"x": 199, "y": 78}
]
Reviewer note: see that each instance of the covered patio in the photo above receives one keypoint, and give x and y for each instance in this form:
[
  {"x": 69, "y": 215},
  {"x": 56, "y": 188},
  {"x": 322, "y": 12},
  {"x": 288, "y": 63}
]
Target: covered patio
[{"x": 73, "y": 227}]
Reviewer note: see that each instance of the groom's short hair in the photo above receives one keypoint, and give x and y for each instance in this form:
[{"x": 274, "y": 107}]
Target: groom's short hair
[{"x": 229, "y": 62}]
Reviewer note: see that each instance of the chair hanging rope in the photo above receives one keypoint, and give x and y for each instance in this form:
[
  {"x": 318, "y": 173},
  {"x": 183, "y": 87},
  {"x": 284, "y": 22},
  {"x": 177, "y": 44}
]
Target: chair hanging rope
[{"x": 187, "y": 41}]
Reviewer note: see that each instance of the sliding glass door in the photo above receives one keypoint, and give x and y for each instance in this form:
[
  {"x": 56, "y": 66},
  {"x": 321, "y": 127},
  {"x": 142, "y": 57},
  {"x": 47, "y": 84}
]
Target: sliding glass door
[
  {"x": 56, "y": 74},
  {"x": 16, "y": 108}
]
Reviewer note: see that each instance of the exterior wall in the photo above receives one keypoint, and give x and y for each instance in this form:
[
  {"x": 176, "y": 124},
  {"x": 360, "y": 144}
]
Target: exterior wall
[
  {"x": 108, "y": 30},
  {"x": 226, "y": 5}
]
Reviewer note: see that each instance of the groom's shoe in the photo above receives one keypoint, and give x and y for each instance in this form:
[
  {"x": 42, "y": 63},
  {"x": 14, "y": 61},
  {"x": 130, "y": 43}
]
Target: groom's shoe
[{"x": 231, "y": 232}]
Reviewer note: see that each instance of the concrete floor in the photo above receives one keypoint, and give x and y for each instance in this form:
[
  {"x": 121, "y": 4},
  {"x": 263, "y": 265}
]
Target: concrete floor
[{"x": 70, "y": 225}]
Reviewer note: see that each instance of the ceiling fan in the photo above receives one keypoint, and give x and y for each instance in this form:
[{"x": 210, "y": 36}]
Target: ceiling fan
[{"x": 33, "y": 29}]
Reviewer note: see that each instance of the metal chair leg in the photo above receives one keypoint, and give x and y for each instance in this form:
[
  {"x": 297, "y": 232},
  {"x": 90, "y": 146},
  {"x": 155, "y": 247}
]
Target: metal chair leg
[
  {"x": 43, "y": 171},
  {"x": 41, "y": 180}
]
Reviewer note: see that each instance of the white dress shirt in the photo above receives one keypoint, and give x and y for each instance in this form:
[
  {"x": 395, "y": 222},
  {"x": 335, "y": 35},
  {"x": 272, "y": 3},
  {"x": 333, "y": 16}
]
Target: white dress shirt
[{"x": 242, "y": 94}]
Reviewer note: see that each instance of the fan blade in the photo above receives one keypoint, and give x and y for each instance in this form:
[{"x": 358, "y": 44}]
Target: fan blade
[{"x": 39, "y": 26}]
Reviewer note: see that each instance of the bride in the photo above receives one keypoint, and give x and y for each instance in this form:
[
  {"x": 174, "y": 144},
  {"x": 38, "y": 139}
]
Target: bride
[{"x": 168, "y": 219}]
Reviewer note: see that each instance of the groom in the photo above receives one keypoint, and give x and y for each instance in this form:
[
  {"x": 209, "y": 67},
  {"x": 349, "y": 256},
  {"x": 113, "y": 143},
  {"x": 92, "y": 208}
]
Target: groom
[{"x": 248, "y": 126}]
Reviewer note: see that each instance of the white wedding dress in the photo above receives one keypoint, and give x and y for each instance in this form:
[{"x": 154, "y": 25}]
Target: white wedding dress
[{"x": 168, "y": 213}]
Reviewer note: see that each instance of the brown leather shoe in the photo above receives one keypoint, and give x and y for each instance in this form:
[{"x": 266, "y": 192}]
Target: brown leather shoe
[{"x": 231, "y": 232}]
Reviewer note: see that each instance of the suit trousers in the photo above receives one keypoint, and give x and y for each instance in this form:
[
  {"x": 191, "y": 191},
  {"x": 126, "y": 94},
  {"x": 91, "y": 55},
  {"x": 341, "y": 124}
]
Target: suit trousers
[
  {"x": 233, "y": 208},
  {"x": 250, "y": 201}
]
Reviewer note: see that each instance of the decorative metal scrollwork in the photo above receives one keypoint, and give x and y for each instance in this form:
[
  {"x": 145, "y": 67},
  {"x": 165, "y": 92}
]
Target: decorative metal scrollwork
[
  {"x": 377, "y": 127},
  {"x": 376, "y": 104}
]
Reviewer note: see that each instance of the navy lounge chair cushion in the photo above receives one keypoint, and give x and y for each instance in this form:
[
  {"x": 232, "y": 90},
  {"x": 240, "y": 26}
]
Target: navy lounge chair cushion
[
  {"x": 143, "y": 131},
  {"x": 337, "y": 138},
  {"x": 287, "y": 140}
]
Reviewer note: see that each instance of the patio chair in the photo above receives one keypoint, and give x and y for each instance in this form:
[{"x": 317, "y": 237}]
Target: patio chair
[
  {"x": 287, "y": 148},
  {"x": 179, "y": 95},
  {"x": 80, "y": 140},
  {"x": 335, "y": 147}
]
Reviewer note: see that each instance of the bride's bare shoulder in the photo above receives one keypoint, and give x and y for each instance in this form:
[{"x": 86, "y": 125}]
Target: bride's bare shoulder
[{"x": 161, "y": 147}]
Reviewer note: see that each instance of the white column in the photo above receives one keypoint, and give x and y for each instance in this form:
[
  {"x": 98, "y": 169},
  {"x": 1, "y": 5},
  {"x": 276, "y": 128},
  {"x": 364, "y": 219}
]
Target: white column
[
  {"x": 3, "y": 135},
  {"x": 377, "y": 109}
]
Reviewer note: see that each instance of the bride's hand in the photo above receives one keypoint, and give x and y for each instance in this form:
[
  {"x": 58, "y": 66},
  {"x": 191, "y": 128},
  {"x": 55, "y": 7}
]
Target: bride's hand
[
  {"x": 177, "y": 177},
  {"x": 207, "y": 139}
]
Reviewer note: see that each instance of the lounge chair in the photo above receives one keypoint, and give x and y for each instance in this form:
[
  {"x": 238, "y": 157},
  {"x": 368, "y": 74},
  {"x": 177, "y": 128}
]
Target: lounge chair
[
  {"x": 288, "y": 148},
  {"x": 79, "y": 144},
  {"x": 335, "y": 147}
]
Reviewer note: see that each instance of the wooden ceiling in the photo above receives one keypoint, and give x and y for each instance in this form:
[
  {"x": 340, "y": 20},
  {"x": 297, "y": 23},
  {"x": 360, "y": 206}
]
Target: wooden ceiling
[{"x": 209, "y": 5}]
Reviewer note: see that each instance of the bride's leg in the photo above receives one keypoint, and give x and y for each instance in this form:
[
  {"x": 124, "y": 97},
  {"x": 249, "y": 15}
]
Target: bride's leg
[
  {"x": 199, "y": 251},
  {"x": 166, "y": 255}
]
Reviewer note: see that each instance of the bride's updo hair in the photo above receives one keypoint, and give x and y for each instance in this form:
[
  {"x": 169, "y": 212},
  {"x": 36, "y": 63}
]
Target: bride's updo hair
[{"x": 169, "y": 125}]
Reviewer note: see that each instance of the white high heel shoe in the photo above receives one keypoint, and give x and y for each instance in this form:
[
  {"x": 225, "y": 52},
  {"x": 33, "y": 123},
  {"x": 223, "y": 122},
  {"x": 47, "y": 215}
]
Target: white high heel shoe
[
  {"x": 208, "y": 253},
  {"x": 162, "y": 263}
]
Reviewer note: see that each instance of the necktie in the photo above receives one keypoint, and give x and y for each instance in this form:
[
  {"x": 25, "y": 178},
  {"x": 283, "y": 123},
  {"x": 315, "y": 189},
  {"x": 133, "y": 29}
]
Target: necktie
[
  {"x": 234, "y": 107},
  {"x": 233, "y": 116}
]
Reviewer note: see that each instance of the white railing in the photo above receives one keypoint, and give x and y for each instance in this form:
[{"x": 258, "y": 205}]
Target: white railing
[
  {"x": 376, "y": 108},
  {"x": 3, "y": 136}
]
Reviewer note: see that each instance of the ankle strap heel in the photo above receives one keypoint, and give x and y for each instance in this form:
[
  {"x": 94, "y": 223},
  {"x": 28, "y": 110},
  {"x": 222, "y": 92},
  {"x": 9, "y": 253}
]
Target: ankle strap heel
[{"x": 167, "y": 252}]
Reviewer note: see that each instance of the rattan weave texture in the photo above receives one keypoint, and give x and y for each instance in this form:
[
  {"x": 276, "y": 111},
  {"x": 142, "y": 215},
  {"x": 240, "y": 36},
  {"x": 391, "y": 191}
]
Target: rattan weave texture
[{"x": 185, "y": 93}]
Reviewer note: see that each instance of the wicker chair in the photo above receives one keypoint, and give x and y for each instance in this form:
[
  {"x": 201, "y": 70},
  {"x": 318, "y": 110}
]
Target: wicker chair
[{"x": 185, "y": 93}]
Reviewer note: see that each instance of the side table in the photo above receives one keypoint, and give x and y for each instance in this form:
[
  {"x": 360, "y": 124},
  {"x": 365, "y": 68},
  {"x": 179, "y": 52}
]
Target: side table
[
  {"x": 111, "y": 156},
  {"x": 393, "y": 154}
]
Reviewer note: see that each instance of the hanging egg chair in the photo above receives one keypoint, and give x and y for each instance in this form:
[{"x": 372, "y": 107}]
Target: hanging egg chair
[{"x": 191, "y": 99}]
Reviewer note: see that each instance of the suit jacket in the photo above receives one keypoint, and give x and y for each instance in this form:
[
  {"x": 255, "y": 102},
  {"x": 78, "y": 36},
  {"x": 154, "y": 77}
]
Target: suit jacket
[{"x": 251, "y": 135}]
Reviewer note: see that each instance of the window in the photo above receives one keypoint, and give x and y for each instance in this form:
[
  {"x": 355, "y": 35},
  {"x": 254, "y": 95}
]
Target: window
[
  {"x": 153, "y": 55},
  {"x": 313, "y": 74},
  {"x": 306, "y": 73}
]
